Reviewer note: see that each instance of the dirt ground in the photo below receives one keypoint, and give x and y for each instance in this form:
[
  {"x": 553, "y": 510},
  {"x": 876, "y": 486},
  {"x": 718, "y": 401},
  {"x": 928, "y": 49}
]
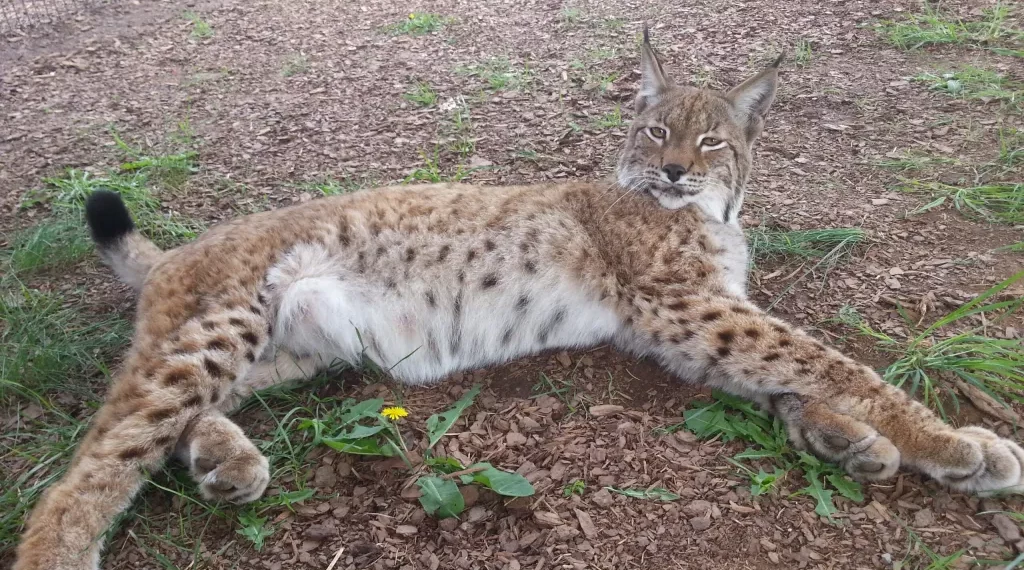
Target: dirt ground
[{"x": 296, "y": 91}]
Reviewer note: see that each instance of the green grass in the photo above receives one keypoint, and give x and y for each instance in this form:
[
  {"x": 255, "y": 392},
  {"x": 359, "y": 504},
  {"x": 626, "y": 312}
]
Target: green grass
[
  {"x": 571, "y": 15},
  {"x": 730, "y": 418},
  {"x": 420, "y": 23},
  {"x": 294, "y": 65},
  {"x": 972, "y": 82},
  {"x": 913, "y": 161},
  {"x": 932, "y": 27},
  {"x": 67, "y": 194},
  {"x": 928, "y": 360},
  {"x": 499, "y": 74},
  {"x": 200, "y": 28},
  {"x": 768, "y": 244},
  {"x": 459, "y": 129},
  {"x": 421, "y": 94},
  {"x": 610, "y": 120},
  {"x": 55, "y": 243},
  {"x": 999, "y": 202},
  {"x": 345, "y": 185},
  {"x": 1011, "y": 147},
  {"x": 433, "y": 172},
  {"x": 804, "y": 53}
]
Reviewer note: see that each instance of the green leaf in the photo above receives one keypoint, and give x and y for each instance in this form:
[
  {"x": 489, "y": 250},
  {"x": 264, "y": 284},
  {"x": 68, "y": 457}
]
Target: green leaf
[
  {"x": 439, "y": 424},
  {"x": 822, "y": 497},
  {"x": 653, "y": 494},
  {"x": 846, "y": 487},
  {"x": 360, "y": 447},
  {"x": 360, "y": 410},
  {"x": 444, "y": 464},
  {"x": 762, "y": 483},
  {"x": 440, "y": 497},
  {"x": 360, "y": 432},
  {"x": 253, "y": 528},
  {"x": 502, "y": 482}
]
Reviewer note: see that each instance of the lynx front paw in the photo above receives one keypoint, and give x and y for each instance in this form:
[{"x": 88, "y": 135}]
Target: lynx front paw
[{"x": 981, "y": 462}]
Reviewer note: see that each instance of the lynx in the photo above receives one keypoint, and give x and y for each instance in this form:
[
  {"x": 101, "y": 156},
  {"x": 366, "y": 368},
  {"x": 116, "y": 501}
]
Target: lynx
[{"x": 429, "y": 280}]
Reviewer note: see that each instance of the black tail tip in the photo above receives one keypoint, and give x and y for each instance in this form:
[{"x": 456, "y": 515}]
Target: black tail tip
[{"x": 108, "y": 217}]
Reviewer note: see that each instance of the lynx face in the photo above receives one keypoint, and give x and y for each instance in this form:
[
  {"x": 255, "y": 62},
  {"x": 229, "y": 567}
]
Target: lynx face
[{"x": 693, "y": 146}]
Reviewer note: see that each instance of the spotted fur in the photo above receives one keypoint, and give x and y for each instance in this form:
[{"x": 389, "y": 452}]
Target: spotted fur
[{"x": 429, "y": 280}]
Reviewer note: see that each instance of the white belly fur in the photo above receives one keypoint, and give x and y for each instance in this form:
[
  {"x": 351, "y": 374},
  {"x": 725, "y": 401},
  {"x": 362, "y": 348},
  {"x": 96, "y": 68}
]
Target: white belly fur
[{"x": 328, "y": 311}]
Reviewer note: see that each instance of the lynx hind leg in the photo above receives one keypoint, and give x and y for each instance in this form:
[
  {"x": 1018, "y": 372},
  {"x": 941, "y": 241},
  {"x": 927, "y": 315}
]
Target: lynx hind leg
[
  {"x": 222, "y": 460},
  {"x": 857, "y": 447}
]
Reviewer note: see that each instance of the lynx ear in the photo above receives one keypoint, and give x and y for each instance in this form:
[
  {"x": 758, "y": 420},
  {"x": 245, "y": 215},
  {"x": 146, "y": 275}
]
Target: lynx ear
[
  {"x": 752, "y": 99},
  {"x": 653, "y": 81}
]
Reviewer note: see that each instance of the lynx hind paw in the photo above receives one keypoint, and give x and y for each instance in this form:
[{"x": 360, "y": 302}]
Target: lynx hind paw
[
  {"x": 239, "y": 479},
  {"x": 225, "y": 463},
  {"x": 862, "y": 452},
  {"x": 980, "y": 462}
]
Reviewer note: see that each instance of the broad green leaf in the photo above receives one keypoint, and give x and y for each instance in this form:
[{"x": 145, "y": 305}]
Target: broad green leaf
[
  {"x": 653, "y": 494},
  {"x": 502, "y": 482},
  {"x": 440, "y": 497},
  {"x": 439, "y": 424},
  {"x": 846, "y": 487},
  {"x": 360, "y": 447},
  {"x": 359, "y": 432},
  {"x": 360, "y": 410}
]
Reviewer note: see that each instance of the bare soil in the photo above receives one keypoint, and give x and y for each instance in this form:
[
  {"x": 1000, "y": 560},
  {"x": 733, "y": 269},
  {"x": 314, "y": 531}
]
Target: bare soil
[{"x": 261, "y": 131}]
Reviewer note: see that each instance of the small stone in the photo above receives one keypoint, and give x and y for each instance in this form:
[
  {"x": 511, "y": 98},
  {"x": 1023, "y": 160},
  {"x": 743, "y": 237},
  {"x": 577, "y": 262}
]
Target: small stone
[
  {"x": 449, "y": 524},
  {"x": 774, "y": 557},
  {"x": 1007, "y": 529},
  {"x": 470, "y": 495},
  {"x": 406, "y": 530},
  {"x": 586, "y": 524},
  {"x": 924, "y": 518},
  {"x": 697, "y": 508},
  {"x": 892, "y": 283},
  {"x": 529, "y": 424},
  {"x": 605, "y": 410},
  {"x": 477, "y": 513},
  {"x": 514, "y": 439},
  {"x": 603, "y": 498},
  {"x": 547, "y": 519},
  {"x": 325, "y": 477},
  {"x": 563, "y": 359},
  {"x": 879, "y": 201},
  {"x": 701, "y": 523}
]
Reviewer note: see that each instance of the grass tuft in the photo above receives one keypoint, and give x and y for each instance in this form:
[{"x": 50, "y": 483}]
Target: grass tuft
[
  {"x": 927, "y": 360},
  {"x": 767, "y": 244},
  {"x": 804, "y": 53},
  {"x": 422, "y": 94},
  {"x": 50, "y": 244},
  {"x": 913, "y": 161},
  {"x": 499, "y": 74},
  {"x": 294, "y": 65},
  {"x": 977, "y": 83},
  {"x": 419, "y": 24},
  {"x": 1001, "y": 202},
  {"x": 200, "y": 28},
  {"x": 1011, "y": 147},
  {"x": 933, "y": 27}
]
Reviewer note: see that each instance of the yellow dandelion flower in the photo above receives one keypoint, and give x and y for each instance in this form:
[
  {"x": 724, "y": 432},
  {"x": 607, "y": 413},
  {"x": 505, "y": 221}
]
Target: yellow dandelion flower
[
  {"x": 412, "y": 16},
  {"x": 394, "y": 413}
]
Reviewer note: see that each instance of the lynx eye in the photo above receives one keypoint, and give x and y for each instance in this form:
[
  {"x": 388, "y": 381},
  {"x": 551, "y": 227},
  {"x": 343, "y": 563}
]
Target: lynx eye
[
  {"x": 656, "y": 132},
  {"x": 710, "y": 141}
]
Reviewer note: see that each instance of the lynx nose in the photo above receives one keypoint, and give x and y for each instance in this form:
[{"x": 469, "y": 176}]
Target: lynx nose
[{"x": 674, "y": 171}]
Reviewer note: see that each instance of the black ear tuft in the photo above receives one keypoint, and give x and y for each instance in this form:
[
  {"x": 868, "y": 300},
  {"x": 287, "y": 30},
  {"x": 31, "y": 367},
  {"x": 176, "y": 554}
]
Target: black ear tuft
[
  {"x": 647, "y": 34},
  {"x": 778, "y": 60},
  {"x": 107, "y": 217}
]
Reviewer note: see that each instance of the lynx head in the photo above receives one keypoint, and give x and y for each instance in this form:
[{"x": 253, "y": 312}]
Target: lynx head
[{"x": 693, "y": 146}]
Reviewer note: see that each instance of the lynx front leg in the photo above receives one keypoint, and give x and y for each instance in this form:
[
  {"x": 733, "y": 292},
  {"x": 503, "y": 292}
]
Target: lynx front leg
[{"x": 837, "y": 407}]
